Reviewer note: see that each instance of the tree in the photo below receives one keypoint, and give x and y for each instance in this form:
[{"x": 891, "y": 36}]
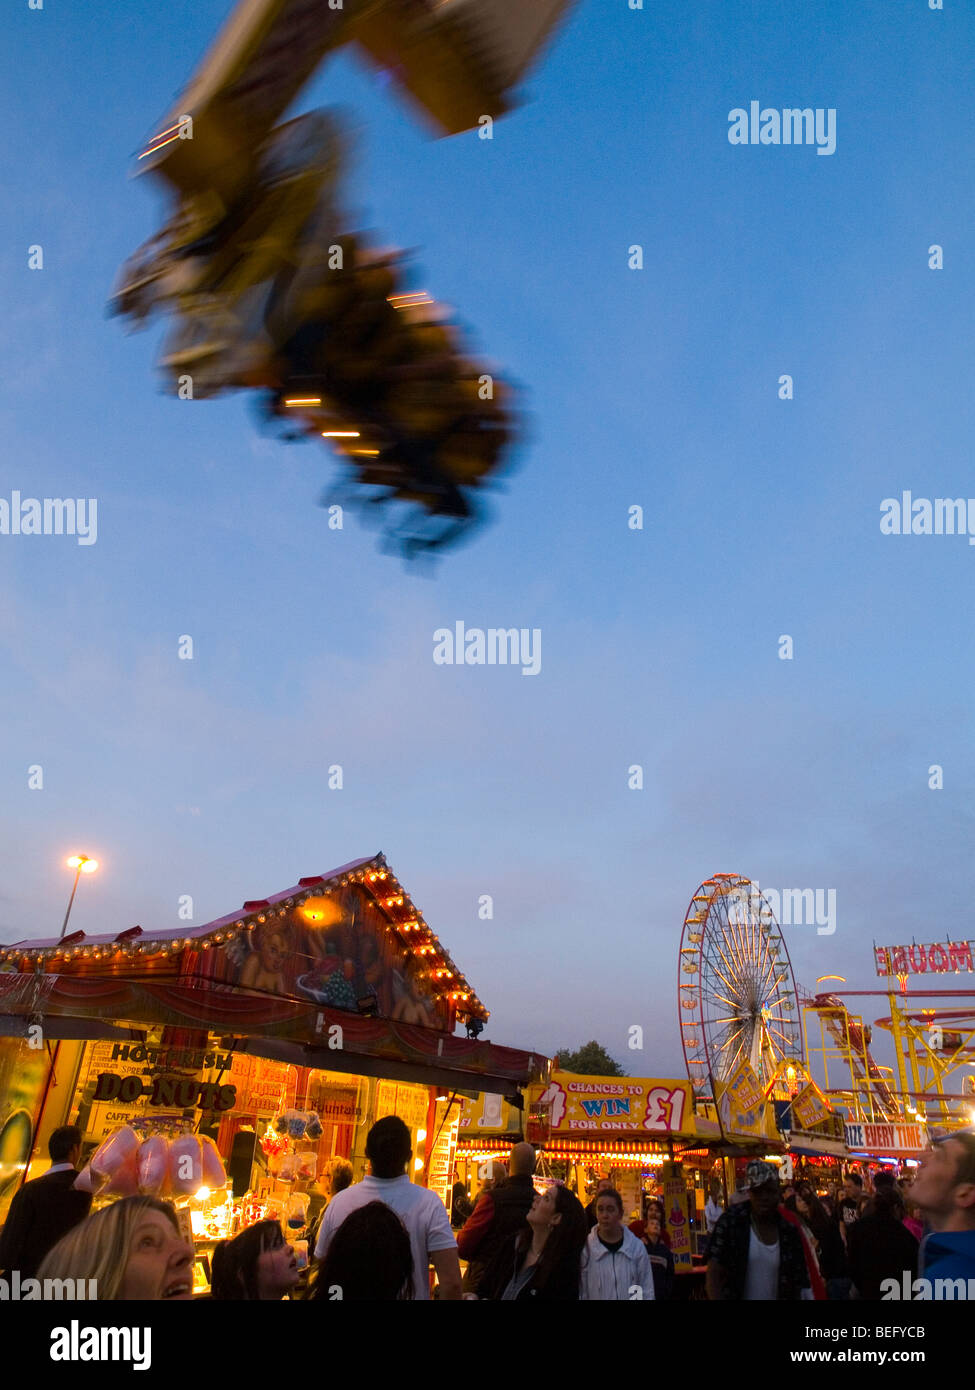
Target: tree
[{"x": 591, "y": 1059}]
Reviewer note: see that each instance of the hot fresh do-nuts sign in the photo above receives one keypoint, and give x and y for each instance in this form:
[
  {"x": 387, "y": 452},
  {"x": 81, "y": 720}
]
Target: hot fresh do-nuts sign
[
  {"x": 182, "y": 1092},
  {"x": 941, "y": 958}
]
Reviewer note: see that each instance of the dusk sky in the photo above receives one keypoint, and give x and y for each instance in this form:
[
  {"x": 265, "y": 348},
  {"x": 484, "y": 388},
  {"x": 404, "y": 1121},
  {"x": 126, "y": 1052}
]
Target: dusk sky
[{"x": 656, "y": 387}]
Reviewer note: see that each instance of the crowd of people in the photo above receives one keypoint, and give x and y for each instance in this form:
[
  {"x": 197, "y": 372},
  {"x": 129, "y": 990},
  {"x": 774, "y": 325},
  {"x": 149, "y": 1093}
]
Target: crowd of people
[
  {"x": 376, "y": 1240},
  {"x": 778, "y": 1243}
]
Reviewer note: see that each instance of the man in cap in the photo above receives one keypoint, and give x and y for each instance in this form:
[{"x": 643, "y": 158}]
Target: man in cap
[{"x": 755, "y": 1255}]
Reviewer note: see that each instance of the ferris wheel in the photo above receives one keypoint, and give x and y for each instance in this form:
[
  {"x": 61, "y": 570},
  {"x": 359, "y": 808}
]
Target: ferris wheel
[{"x": 736, "y": 991}]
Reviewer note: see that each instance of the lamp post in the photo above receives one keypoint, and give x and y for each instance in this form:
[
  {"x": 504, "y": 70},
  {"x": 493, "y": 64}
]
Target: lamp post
[{"x": 81, "y": 865}]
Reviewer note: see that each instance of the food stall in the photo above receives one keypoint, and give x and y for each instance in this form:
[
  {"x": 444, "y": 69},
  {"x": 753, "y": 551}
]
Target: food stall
[
  {"x": 639, "y": 1132},
  {"x": 280, "y": 1033}
]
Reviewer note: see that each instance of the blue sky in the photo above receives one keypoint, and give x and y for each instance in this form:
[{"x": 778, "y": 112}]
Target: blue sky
[{"x": 655, "y": 387}]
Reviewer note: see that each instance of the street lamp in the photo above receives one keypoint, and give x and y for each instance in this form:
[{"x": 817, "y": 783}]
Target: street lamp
[{"x": 81, "y": 865}]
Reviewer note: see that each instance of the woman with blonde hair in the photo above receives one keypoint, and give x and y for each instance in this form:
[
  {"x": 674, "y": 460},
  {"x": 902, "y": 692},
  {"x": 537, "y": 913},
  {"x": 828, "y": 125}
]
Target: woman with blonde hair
[{"x": 133, "y": 1250}]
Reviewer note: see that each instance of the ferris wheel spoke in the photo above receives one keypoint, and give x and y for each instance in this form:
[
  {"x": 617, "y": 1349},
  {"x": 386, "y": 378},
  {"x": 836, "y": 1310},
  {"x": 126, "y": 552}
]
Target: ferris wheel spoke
[
  {"x": 743, "y": 949},
  {"x": 730, "y": 1002},
  {"x": 769, "y": 964},
  {"x": 734, "y": 1061},
  {"x": 787, "y": 1041},
  {"x": 762, "y": 957},
  {"x": 724, "y": 944},
  {"x": 727, "y": 983},
  {"x": 729, "y": 935},
  {"x": 766, "y": 965},
  {"x": 741, "y": 962}
]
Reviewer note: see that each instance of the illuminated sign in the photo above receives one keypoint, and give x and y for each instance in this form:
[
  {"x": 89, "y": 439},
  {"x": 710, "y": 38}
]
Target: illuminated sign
[
  {"x": 886, "y": 1138},
  {"x": 164, "y": 1090},
  {"x": 918, "y": 960}
]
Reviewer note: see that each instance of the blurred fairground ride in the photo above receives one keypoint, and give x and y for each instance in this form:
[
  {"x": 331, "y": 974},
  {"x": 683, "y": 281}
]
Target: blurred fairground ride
[{"x": 268, "y": 287}]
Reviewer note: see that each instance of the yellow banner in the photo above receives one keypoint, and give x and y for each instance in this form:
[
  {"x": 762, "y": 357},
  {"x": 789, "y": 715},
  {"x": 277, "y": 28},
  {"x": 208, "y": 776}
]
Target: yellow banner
[
  {"x": 488, "y": 1114},
  {"x": 809, "y": 1107},
  {"x": 589, "y": 1106},
  {"x": 742, "y": 1108},
  {"x": 678, "y": 1226}
]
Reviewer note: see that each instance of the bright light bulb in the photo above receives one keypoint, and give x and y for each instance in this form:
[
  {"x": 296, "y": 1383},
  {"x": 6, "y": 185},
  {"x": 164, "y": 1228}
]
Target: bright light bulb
[
  {"x": 201, "y": 1195},
  {"x": 421, "y": 1134},
  {"x": 89, "y": 866},
  {"x": 417, "y": 1164}
]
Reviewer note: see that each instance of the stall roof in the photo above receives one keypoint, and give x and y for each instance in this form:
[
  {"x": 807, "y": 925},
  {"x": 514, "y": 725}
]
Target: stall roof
[
  {"x": 147, "y": 936},
  {"x": 397, "y": 906},
  {"x": 138, "y": 978}
]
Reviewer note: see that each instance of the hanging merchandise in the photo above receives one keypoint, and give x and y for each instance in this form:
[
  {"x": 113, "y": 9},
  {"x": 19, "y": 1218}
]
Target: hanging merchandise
[
  {"x": 154, "y": 1166},
  {"x": 273, "y": 1142},
  {"x": 298, "y": 1212},
  {"x": 288, "y": 1171},
  {"x": 86, "y": 1181},
  {"x": 115, "y": 1164},
  {"x": 307, "y": 1165},
  {"x": 186, "y": 1165},
  {"x": 297, "y": 1123},
  {"x": 214, "y": 1174},
  {"x": 300, "y": 1247}
]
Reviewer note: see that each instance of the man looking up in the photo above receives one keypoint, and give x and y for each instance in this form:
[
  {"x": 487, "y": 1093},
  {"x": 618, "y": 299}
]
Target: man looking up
[{"x": 944, "y": 1190}]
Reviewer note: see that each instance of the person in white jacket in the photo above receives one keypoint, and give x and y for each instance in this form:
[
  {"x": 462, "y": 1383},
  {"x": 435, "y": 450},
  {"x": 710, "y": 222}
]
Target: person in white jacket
[{"x": 615, "y": 1265}]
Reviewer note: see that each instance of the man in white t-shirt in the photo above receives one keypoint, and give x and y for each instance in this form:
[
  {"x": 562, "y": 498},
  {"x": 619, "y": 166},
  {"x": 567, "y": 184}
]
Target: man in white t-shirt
[{"x": 389, "y": 1150}]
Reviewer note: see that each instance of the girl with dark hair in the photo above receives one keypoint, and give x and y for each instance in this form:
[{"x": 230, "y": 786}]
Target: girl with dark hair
[
  {"x": 257, "y": 1264},
  {"x": 543, "y": 1260},
  {"x": 369, "y": 1259},
  {"x": 879, "y": 1247},
  {"x": 831, "y": 1255},
  {"x": 656, "y": 1208}
]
